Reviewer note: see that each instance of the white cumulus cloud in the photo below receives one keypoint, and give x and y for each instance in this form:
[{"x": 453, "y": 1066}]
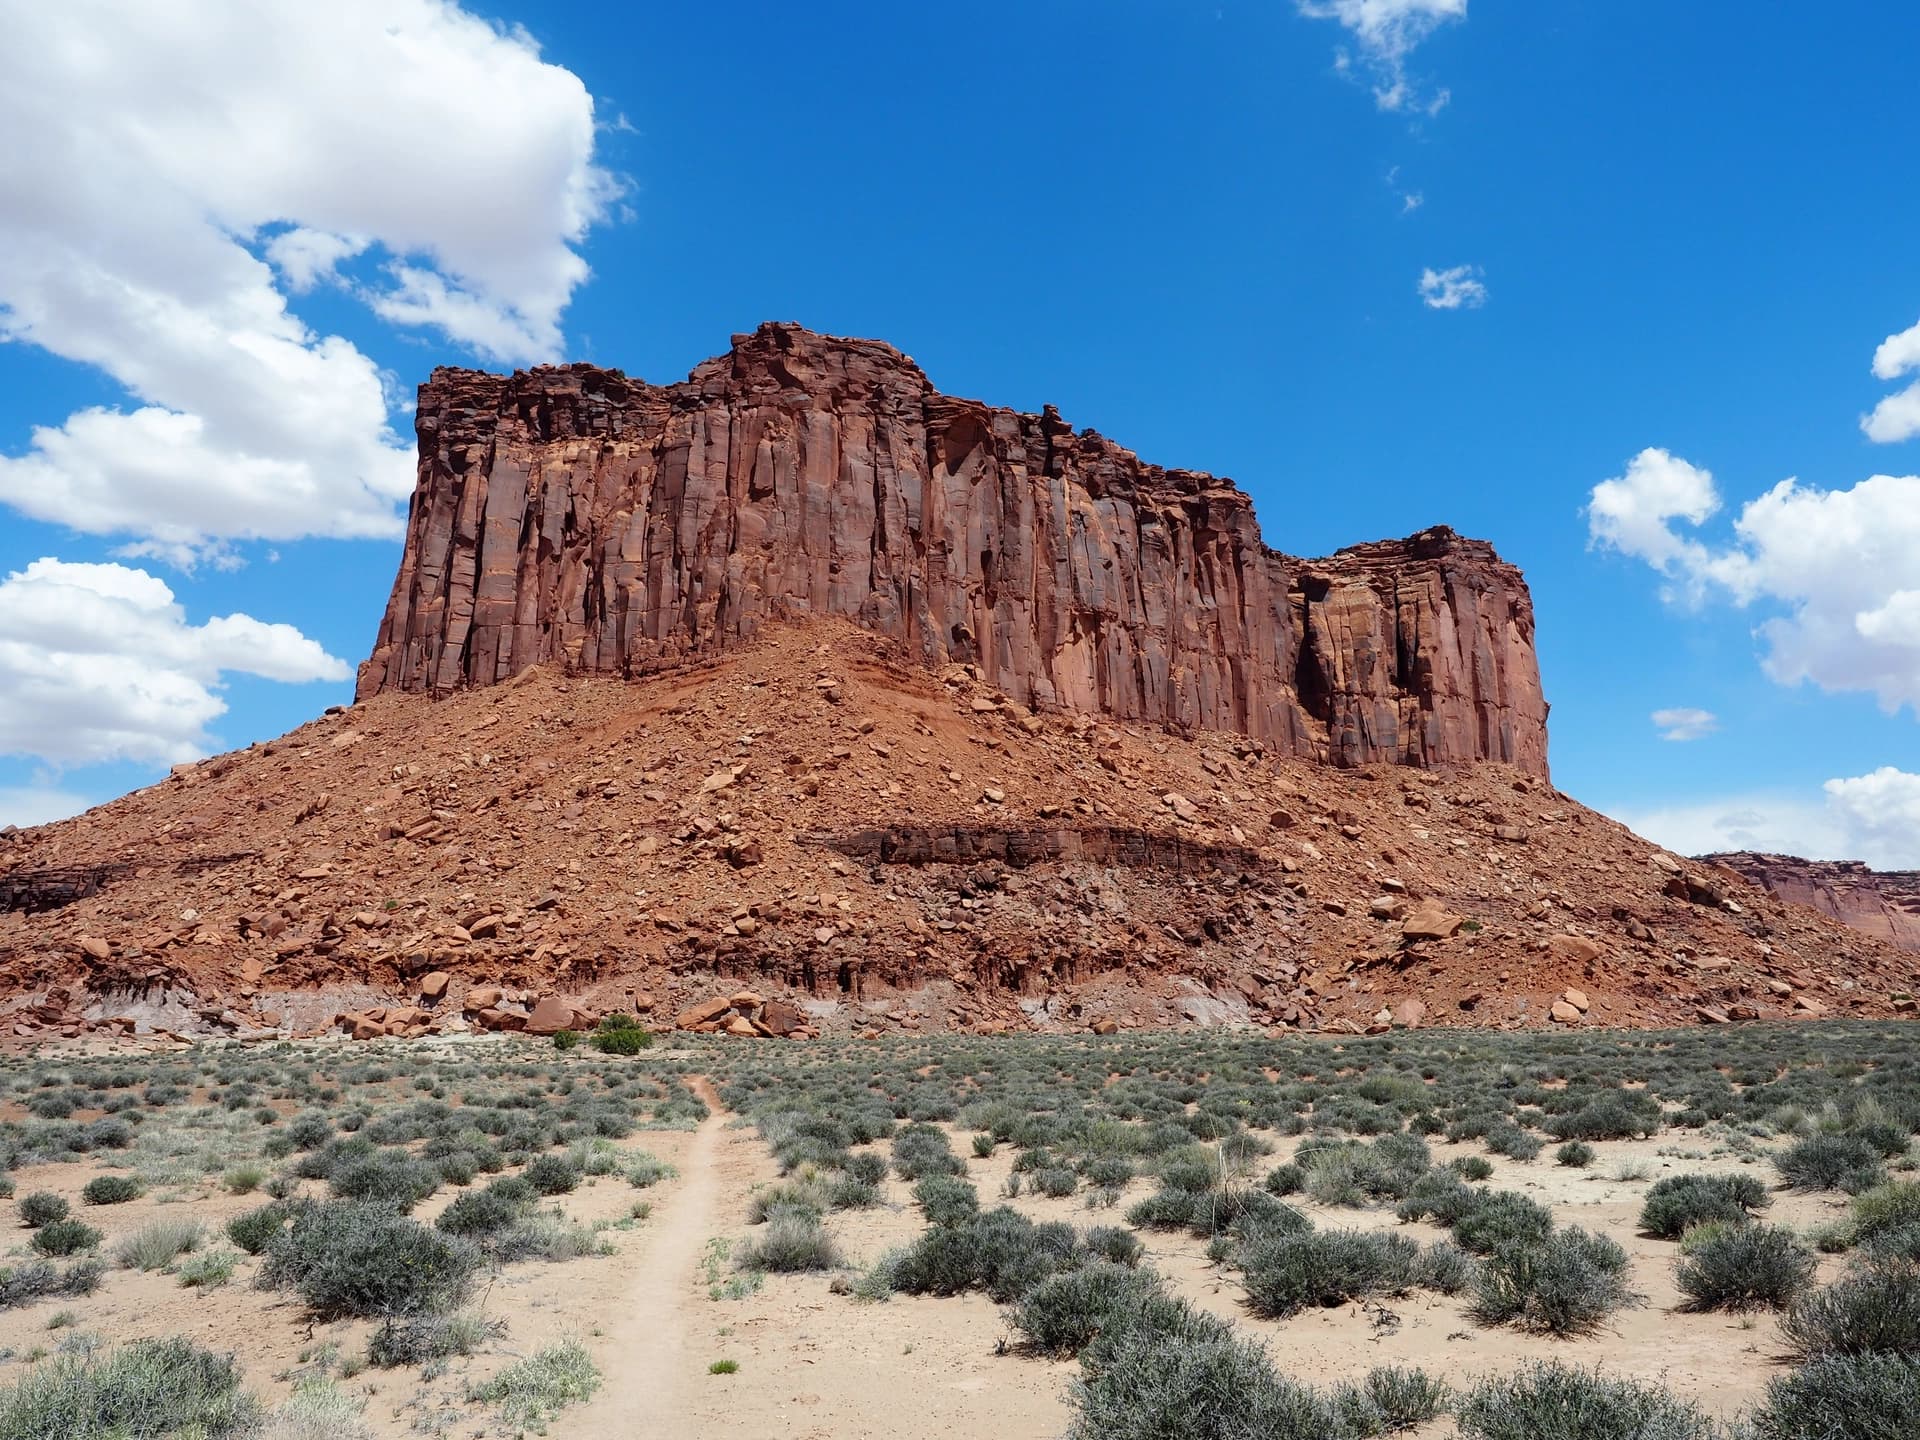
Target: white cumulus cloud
[
  {"x": 1873, "y": 817},
  {"x": 1685, "y": 723},
  {"x": 25, "y": 805},
  {"x": 1843, "y": 565},
  {"x": 99, "y": 662},
  {"x": 1385, "y": 33},
  {"x": 1898, "y": 416},
  {"x": 182, "y": 169},
  {"x": 1456, "y": 288}
]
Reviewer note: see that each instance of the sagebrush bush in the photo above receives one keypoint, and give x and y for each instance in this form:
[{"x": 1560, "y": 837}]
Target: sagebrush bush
[
  {"x": 348, "y": 1259},
  {"x": 1831, "y": 1162},
  {"x": 1285, "y": 1273},
  {"x": 430, "y": 1337},
  {"x": 142, "y": 1391},
  {"x": 1873, "y": 1308},
  {"x": 37, "y": 1279},
  {"x": 1677, "y": 1203},
  {"x": 1843, "y": 1397},
  {"x": 1575, "y": 1153},
  {"x": 1884, "y": 1208},
  {"x": 1745, "y": 1267},
  {"x": 1500, "y": 1220},
  {"x": 791, "y": 1242},
  {"x": 1565, "y": 1284},
  {"x": 1551, "y": 1401},
  {"x": 946, "y": 1199},
  {"x": 1064, "y": 1312},
  {"x": 530, "y": 1392}
]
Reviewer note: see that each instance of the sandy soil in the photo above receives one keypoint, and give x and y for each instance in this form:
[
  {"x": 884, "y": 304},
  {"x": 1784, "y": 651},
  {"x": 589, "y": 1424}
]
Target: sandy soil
[{"x": 815, "y": 1364}]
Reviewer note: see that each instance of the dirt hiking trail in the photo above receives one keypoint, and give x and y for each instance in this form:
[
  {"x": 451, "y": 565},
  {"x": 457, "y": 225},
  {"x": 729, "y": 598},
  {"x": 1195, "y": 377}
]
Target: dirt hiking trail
[{"x": 646, "y": 1339}]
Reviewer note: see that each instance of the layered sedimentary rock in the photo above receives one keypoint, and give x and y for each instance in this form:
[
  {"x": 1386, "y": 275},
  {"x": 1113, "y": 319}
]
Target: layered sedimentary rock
[
  {"x": 1883, "y": 903},
  {"x": 573, "y": 514}
]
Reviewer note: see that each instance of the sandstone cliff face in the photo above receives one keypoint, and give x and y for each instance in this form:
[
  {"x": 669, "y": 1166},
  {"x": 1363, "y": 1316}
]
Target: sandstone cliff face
[
  {"x": 573, "y": 514},
  {"x": 1885, "y": 903}
]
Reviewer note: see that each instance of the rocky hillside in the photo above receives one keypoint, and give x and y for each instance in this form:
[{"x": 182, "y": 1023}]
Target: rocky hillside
[
  {"x": 866, "y": 843},
  {"x": 1882, "y": 903},
  {"x": 573, "y": 514}
]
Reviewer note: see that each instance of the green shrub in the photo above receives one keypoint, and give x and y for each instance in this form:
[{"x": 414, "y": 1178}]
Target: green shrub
[
  {"x": 111, "y": 1190},
  {"x": 1551, "y": 1401},
  {"x": 552, "y": 1174},
  {"x": 65, "y": 1237},
  {"x": 999, "y": 1251},
  {"x": 921, "y": 1150},
  {"x": 565, "y": 1039},
  {"x": 1616, "y": 1115},
  {"x": 147, "y": 1390},
  {"x": 1679, "y": 1202},
  {"x": 792, "y": 1242},
  {"x": 1403, "y": 1399},
  {"x": 364, "y": 1260},
  {"x": 1831, "y": 1162},
  {"x": 42, "y": 1207},
  {"x": 1575, "y": 1153},
  {"x": 481, "y": 1212},
  {"x": 204, "y": 1271},
  {"x": 1843, "y": 1397},
  {"x": 254, "y": 1231},
  {"x": 620, "y": 1035},
  {"x": 1874, "y": 1308},
  {"x": 1565, "y": 1284},
  {"x": 1471, "y": 1167},
  {"x": 243, "y": 1179},
  {"x": 1744, "y": 1267},
  {"x": 1054, "y": 1180}
]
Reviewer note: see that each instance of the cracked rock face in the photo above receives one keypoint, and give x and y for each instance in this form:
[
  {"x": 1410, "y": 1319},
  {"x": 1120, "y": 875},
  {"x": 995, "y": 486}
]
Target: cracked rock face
[{"x": 571, "y": 514}]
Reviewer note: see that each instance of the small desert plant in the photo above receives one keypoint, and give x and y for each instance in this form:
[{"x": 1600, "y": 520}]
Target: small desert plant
[
  {"x": 1565, "y": 1284},
  {"x": 1063, "y": 1313},
  {"x": 532, "y": 1391},
  {"x": 150, "y": 1388},
  {"x": 433, "y": 1337},
  {"x": 1831, "y": 1162},
  {"x": 206, "y": 1270},
  {"x": 364, "y": 1260},
  {"x": 1290, "y": 1272},
  {"x": 1679, "y": 1202},
  {"x": 1575, "y": 1153},
  {"x": 724, "y": 1367},
  {"x": 620, "y": 1035},
  {"x": 1875, "y": 1308},
  {"x": 111, "y": 1190},
  {"x": 1843, "y": 1397},
  {"x": 156, "y": 1245},
  {"x": 37, "y": 1279},
  {"x": 65, "y": 1237},
  {"x": 1551, "y": 1401},
  {"x": 1743, "y": 1267},
  {"x": 243, "y": 1179},
  {"x": 791, "y": 1242},
  {"x": 552, "y": 1174},
  {"x": 42, "y": 1207},
  {"x": 565, "y": 1039},
  {"x": 255, "y": 1230},
  {"x": 946, "y": 1199},
  {"x": 1884, "y": 1208}
]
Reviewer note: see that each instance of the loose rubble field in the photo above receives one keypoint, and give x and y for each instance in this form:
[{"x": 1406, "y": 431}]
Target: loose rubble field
[{"x": 1208, "y": 1234}]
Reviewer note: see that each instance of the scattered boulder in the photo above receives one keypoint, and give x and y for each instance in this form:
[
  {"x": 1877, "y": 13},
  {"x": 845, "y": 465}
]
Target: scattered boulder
[
  {"x": 549, "y": 1016},
  {"x": 1430, "y": 920}
]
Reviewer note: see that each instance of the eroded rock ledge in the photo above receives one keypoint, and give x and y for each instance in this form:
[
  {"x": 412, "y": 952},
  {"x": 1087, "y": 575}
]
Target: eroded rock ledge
[{"x": 573, "y": 514}]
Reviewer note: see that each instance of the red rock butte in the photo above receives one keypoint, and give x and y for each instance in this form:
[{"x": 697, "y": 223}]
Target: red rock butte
[{"x": 573, "y": 514}]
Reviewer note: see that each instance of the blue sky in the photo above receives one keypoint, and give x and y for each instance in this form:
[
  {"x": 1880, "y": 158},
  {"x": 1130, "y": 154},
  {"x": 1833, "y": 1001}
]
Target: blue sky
[{"x": 1668, "y": 245}]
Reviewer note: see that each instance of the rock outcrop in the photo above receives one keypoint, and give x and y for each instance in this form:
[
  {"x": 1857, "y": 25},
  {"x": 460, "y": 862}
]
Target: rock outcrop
[
  {"x": 1885, "y": 903},
  {"x": 573, "y": 514}
]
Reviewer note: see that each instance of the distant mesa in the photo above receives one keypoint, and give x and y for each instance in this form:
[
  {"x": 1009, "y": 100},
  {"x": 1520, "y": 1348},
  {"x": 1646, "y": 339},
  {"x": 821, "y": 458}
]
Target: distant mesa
[
  {"x": 573, "y": 514},
  {"x": 1884, "y": 903}
]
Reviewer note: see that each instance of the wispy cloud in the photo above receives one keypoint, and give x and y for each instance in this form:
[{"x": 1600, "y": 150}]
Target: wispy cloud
[
  {"x": 1685, "y": 723},
  {"x": 1457, "y": 288},
  {"x": 1385, "y": 33}
]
